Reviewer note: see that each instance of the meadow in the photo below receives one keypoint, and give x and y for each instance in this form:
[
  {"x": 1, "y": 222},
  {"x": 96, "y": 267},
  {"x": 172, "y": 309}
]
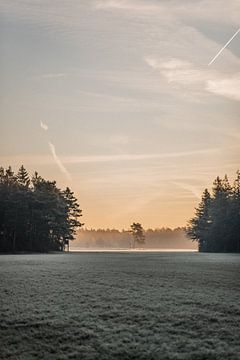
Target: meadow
[{"x": 120, "y": 306}]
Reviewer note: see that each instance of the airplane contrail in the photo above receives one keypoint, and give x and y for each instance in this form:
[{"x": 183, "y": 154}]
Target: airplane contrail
[
  {"x": 215, "y": 57},
  {"x": 58, "y": 161}
]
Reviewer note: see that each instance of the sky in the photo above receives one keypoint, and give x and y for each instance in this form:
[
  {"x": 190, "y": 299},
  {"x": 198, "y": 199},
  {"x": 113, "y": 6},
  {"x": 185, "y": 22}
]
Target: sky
[{"x": 117, "y": 100}]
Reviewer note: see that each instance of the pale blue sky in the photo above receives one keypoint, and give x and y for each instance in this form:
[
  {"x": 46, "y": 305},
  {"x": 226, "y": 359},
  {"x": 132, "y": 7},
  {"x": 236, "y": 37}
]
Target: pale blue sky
[{"x": 138, "y": 123}]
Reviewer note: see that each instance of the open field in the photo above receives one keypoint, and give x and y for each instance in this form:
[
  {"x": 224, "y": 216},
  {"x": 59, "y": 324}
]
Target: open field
[{"x": 120, "y": 306}]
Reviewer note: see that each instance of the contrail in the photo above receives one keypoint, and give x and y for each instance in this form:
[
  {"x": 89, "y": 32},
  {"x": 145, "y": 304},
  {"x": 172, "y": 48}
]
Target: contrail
[
  {"x": 215, "y": 57},
  {"x": 55, "y": 157},
  {"x": 58, "y": 161}
]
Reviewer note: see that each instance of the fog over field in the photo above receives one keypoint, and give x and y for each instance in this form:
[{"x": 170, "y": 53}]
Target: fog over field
[
  {"x": 120, "y": 306},
  {"x": 158, "y": 239}
]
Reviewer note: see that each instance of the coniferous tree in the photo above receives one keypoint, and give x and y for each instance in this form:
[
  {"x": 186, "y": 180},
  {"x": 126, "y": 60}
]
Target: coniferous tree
[
  {"x": 220, "y": 213},
  {"x": 73, "y": 213},
  {"x": 138, "y": 234},
  {"x": 235, "y": 214},
  {"x": 199, "y": 226},
  {"x": 23, "y": 177},
  {"x": 34, "y": 214},
  {"x": 216, "y": 225}
]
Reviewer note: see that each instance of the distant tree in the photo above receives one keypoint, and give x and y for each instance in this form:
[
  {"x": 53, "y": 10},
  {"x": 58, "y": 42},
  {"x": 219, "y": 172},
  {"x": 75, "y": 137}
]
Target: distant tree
[
  {"x": 138, "y": 234},
  {"x": 114, "y": 239}
]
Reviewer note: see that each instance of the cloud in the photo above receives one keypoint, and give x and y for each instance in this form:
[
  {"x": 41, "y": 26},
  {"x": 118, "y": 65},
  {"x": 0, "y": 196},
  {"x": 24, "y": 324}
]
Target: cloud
[
  {"x": 54, "y": 75},
  {"x": 229, "y": 88},
  {"x": 196, "y": 191},
  {"x": 58, "y": 12},
  {"x": 184, "y": 10},
  {"x": 58, "y": 161},
  {"x": 134, "y": 157},
  {"x": 43, "y": 126},
  {"x": 178, "y": 70},
  {"x": 171, "y": 64},
  {"x": 188, "y": 74},
  {"x": 129, "y": 5}
]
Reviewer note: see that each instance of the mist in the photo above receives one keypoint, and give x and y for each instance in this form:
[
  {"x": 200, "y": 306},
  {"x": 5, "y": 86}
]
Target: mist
[{"x": 163, "y": 238}]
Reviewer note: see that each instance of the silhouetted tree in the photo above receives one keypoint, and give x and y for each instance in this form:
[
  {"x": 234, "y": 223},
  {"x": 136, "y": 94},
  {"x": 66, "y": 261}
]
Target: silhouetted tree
[
  {"x": 235, "y": 214},
  {"x": 23, "y": 177},
  {"x": 138, "y": 234},
  {"x": 198, "y": 227},
  {"x": 73, "y": 213},
  {"x": 220, "y": 213},
  {"x": 216, "y": 225},
  {"x": 34, "y": 214}
]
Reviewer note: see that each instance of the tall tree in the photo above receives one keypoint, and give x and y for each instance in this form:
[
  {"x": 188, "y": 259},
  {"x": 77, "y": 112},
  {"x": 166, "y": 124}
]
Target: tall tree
[
  {"x": 199, "y": 226},
  {"x": 216, "y": 225},
  {"x": 220, "y": 211},
  {"x": 235, "y": 214},
  {"x": 35, "y": 215},
  {"x": 73, "y": 214}
]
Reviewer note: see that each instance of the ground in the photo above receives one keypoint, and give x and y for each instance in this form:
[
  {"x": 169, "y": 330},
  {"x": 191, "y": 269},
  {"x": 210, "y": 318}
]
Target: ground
[{"x": 120, "y": 306}]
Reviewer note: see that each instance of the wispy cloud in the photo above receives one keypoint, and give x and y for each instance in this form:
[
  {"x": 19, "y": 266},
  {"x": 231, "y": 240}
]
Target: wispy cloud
[
  {"x": 134, "y": 157},
  {"x": 196, "y": 191},
  {"x": 175, "y": 9},
  {"x": 171, "y": 64},
  {"x": 229, "y": 88},
  {"x": 177, "y": 70},
  {"x": 188, "y": 74},
  {"x": 44, "y": 126},
  {"x": 58, "y": 161},
  {"x": 60, "y": 13},
  {"x": 128, "y": 5},
  {"x": 54, "y": 76}
]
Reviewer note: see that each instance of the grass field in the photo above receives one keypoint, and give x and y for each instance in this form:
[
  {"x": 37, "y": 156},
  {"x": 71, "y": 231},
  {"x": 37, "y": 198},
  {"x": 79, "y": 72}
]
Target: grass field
[{"x": 120, "y": 306}]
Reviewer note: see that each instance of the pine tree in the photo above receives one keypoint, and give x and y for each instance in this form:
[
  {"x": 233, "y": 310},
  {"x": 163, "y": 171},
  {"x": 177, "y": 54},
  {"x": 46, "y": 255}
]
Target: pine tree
[
  {"x": 138, "y": 234},
  {"x": 235, "y": 215},
  {"x": 23, "y": 177},
  {"x": 220, "y": 213},
  {"x": 73, "y": 214},
  {"x": 216, "y": 225},
  {"x": 34, "y": 214},
  {"x": 199, "y": 226}
]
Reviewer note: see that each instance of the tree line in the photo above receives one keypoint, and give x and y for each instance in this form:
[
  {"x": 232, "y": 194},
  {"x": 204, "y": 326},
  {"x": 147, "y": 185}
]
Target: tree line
[
  {"x": 216, "y": 224},
  {"x": 160, "y": 238},
  {"x": 35, "y": 215}
]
